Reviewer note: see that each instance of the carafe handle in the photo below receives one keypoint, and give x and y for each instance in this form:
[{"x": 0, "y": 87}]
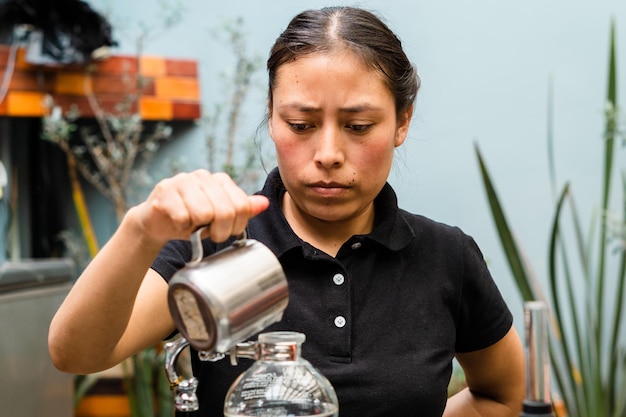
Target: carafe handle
[{"x": 185, "y": 397}]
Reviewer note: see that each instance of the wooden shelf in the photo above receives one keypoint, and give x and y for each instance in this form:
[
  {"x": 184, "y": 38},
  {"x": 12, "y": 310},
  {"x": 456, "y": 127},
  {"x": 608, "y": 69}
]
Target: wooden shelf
[{"x": 169, "y": 87}]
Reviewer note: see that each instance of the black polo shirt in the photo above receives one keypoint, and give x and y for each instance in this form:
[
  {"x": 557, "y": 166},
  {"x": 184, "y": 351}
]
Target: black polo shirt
[{"x": 383, "y": 319}]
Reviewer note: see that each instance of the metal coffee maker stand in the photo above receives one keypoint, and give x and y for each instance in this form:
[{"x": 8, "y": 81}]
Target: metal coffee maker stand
[
  {"x": 537, "y": 358},
  {"x": 217, "y": 304}
]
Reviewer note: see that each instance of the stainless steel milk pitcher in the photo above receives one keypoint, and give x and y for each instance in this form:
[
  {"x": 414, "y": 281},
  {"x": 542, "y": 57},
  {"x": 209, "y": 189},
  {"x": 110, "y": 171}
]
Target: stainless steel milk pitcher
[{"x": 229, "y": 296}]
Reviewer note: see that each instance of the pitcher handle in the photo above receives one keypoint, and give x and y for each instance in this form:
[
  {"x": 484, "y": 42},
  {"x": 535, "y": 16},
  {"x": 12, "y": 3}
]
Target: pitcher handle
[{"x": 197, "y": 253}]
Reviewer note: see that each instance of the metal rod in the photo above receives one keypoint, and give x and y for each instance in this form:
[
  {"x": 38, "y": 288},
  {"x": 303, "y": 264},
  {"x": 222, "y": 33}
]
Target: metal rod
[{"x": 538, "y": 402}]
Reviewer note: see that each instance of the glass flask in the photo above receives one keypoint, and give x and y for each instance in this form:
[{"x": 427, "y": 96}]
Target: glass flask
[{"x": 281, "y": 383}]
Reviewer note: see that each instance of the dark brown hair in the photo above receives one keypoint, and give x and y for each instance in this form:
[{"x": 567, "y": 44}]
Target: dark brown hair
[{"x": 359, "y": 30}]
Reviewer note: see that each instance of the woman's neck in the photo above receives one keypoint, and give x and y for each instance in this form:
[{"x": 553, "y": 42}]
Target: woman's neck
[{"x": 327, "y": 236}]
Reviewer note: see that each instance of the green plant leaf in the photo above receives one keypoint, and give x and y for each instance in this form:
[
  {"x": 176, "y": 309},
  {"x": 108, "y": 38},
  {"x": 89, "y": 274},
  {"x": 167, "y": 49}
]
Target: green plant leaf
[
  {"x": 572, "y": 370},
  {"x": 519, "y": 268},
  {"x": 82, "y": 385}
]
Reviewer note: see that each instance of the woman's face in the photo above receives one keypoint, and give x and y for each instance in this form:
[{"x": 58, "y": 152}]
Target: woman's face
[{"x": 334, "y": 124}]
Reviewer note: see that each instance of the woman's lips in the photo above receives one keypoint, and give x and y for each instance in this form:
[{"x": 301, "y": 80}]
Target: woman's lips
[{"x": 328, "y": 189}]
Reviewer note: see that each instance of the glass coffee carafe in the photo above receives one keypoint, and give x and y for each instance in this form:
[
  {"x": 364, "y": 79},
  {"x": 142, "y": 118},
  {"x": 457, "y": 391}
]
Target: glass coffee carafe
[{"x": 280, "y": 383}]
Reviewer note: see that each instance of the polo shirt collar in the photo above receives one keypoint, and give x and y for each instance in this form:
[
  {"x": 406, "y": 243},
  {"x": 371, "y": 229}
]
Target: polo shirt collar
[{"x": 391, "y": 230}]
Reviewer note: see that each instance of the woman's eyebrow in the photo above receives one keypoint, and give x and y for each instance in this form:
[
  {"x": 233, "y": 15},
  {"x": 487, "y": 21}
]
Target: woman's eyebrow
[
  {"x": 358, "y": 108},
  {"x": 299, "y": 107}
]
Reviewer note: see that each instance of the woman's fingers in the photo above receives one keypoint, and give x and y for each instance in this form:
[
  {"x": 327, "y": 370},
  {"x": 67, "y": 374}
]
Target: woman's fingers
[
  {"x": 179, "y": 205},
  {"x": 229, "y": 207}
]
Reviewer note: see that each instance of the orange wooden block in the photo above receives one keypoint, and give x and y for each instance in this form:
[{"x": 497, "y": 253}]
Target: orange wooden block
[
  {"x": 20, "y": 60},
  {"x": 155, "y": 109},
  {"x": 72, "y": 83},
  {"x": 25, "y": 104},
  {"x": 177, "y": 88},
  {"x": 103, "y": 406},
  {"x": 151, "y": 66}
]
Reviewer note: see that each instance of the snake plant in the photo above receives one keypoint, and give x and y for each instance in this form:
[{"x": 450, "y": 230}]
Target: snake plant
[{"x": 585, "y": 278}]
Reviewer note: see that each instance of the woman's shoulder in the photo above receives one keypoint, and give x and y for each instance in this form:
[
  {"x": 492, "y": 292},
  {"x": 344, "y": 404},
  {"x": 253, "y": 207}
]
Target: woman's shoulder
[
  {"x": 434, "y": 233},
  {"x": 422, "y": 224}
]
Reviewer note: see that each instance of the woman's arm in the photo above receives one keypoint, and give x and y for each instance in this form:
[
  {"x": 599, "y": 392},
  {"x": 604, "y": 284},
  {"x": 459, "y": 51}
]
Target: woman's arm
[
  {"x": 114, "y": 309},
  {"x": 495, "y": 381},
  {"x": 118, "y": 305}
]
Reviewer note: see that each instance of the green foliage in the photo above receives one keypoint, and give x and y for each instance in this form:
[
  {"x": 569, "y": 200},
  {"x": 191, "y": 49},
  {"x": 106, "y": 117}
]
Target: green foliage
[
  {"x": 457, "y": 380},
  {"x": 151, "y": 395},
  {"x": 586, "y": 282},
  {"x": 82, "y": 385}
]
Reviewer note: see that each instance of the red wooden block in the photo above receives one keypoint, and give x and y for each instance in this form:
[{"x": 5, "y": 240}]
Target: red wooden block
[
  {"x": 186, "y": 110},
  {"x": 181, "y": 67}
]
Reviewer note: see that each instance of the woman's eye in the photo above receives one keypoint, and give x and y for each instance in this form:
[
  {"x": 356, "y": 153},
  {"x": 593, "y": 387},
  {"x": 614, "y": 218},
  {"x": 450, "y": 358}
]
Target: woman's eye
[
  {"x": 300, "y": 127},
  {"x": 359, "y": 128}
]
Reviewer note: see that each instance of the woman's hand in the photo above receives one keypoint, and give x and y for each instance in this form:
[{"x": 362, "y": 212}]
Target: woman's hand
[{"x": 179, "y": 205}]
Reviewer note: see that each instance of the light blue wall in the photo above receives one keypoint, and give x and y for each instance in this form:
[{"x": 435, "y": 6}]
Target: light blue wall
[{"x": 485, "y": 67}]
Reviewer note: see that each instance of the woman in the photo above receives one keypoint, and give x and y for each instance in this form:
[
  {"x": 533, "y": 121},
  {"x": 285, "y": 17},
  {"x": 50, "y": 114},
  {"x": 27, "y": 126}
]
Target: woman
[{"x": 386, "y": 298}]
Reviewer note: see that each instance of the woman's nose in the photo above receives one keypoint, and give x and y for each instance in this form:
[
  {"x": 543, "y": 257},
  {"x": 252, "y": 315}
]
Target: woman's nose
[{"x": 329, "y": 150}]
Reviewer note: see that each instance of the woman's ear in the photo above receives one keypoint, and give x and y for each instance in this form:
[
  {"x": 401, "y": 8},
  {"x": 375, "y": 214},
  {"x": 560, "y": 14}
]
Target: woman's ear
[{"x": 404, "y": 122}]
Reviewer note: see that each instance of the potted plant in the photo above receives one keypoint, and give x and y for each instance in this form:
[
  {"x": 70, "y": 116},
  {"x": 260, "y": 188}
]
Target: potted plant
[{"x": 586, "y": 280}]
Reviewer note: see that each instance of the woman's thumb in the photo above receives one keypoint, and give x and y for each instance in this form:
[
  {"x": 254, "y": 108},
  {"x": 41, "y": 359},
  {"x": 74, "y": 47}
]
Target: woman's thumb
[{"x": 258, "y": 204}]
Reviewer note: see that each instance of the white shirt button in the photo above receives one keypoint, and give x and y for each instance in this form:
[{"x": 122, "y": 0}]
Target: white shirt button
[
  {"x": 340, "y": 321},
  {"x": 356, "y": 245},
  {"x": 338, "y": 279}
]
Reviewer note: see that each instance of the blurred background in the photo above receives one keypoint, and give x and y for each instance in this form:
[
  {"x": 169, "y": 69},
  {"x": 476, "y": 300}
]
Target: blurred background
[{"x": 503, "y": 76}]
